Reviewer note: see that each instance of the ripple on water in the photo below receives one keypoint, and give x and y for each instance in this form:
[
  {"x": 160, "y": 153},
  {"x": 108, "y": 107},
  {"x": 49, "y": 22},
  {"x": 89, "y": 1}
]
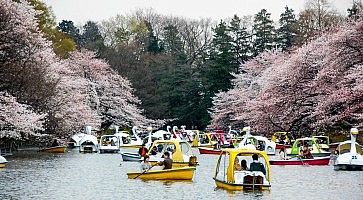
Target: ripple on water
[{"x": 33, "y": 175}]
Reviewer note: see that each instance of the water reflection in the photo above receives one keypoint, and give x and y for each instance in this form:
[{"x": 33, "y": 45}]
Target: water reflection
[{"x": 34, "y": 175}]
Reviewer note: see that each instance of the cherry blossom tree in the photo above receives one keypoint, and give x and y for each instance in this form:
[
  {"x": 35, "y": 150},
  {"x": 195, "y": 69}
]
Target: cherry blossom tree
[
  {"x": 107, "y": 92},
  {"x": 315, "y": 87},
  {"x": 18, "y": 121}
]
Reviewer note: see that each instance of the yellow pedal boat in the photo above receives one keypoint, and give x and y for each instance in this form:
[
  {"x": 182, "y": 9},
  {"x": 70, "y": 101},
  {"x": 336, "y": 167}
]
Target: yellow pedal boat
[
  {"x": 57, "y": 149},
  {"x": 183, "y": 173},
  {"x": 230, "y": 178}
]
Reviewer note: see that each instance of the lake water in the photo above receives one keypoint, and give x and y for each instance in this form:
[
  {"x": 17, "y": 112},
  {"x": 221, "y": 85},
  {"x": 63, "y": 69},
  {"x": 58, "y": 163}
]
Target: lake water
[{"x": 33, "y": 175}]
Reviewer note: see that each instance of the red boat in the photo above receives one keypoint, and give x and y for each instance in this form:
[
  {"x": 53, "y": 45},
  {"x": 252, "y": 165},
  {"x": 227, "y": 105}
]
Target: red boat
[
  {"x": 280, "y": 146},
  {"x": 206, "y": 150},
  {"x": 298, "y": 161}
]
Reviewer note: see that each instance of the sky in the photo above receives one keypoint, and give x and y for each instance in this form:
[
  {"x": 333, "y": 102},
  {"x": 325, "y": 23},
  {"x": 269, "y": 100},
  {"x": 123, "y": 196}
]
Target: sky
[{"x": 81, "y": 11}]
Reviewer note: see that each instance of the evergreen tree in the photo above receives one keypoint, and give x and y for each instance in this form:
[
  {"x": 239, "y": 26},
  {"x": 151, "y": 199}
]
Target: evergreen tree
[
  {"x": 287, "y": 31},
  {"x": 263, "y": 32},
  {"x": 173, "y": 44},
  {"x": 92, "y": 38},
  {"x": 221, "y": 59},
  {"x": 67, "y": 27},
  {"x": 241, "y": 40},
  {"x": 153, "y": 45}
]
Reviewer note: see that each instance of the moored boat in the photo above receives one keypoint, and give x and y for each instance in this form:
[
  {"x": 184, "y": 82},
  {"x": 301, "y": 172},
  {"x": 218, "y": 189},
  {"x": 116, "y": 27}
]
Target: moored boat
[
  {"x": 229, "y": 178},
  {"x": 109, "y": 144},
  {"x": 183, "y": 173},
  {"x": 88, "y": 144},
  {"x": 56, "y": 149},
  {"x": 300, "y": 161},
  {"x": 3, "y": 162},
  {"x": 132, "y": 157}
]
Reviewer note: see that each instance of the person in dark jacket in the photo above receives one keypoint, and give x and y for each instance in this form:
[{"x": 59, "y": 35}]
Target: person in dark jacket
[
  {"x": 167, "y": 163},
  {"x": 256, "y": 165},
  {"x": 55, "y": 143}
]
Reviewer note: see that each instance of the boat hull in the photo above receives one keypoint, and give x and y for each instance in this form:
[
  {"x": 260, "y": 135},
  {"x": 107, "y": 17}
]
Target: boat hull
[
  {"x": 206, "y": 150},
  {"x": 280, "y": 146},
  {"x": 345, "y": 167},
  {"x": 109, "y": 150},
  {"x": 131, "y": 146},
  {"x": 233, "y": 187},
  {"x": 131, "y": 157},
  {"x": 184, "y": 173},
  {"x": 177, "y": 164},
  {"x": 2, "y": 165},
  {"x": 315, "y": 161},
  {"x": 323, "y": 154},
  {"x": 57, "y": 149}
]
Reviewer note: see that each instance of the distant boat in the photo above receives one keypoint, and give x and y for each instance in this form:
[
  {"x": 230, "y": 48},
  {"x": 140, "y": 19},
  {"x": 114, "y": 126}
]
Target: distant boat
[
  {"x": 350, "y": 154},
  {"x": 3, "y": 162},
  {"x": 109, "y": 144},
  {"x": 183, "y": 173},
  {"x": 132, "y": 157},
  {"x": 56, "y": 149},
  {"x": 298, "y": 161},
  {"x": 88, "y": 144}
]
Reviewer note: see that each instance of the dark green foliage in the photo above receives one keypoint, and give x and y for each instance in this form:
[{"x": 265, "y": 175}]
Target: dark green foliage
[
  {"x": 92, "y": 38},
  {"x": 173, "y": 44},
  {"x": 263, "y": 32},
  {"x": 288, "y": 29},
  {"x": 67, "y": 27},
  {"x": 241, "y": 42}
]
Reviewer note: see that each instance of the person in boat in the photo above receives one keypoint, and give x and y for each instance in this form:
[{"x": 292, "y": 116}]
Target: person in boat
[
  {"x": 282, "y": 154},
  {"x": 145, "y": 165},
  {"x": 143, "y": 150},
  {"x": 257, "y": 165},
  {"x": 167, "y": 162},
  {"x": 113, "y": 142},
  {"x": 261, "y": 146},
  {"x": 154, "y": 151},
  {"x": 237, "y": 166},
  {"x": 55, "y": 143},
  {"x": 244, "y": 165},
  {"x": 306, "y": 154}
]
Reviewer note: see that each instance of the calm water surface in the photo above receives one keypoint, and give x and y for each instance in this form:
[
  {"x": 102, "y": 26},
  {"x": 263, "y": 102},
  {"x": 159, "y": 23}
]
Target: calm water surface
[{"x": 33, "y": 175}]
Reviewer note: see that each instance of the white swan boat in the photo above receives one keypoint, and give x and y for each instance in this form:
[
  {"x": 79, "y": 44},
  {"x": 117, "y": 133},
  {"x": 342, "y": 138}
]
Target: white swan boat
[
  {"x": 88, "y": 143},
  {"x": 350, "y": 160},
  {"x": 3, "y": 162}
]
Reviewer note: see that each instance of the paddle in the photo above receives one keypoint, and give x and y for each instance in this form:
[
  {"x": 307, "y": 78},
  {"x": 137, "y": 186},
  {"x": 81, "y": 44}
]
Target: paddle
[
  {"x": 304, "y": 164},
  {"x": 146, "y": 170}
]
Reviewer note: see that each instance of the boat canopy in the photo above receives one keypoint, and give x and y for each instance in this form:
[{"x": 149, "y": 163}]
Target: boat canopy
[
  {"x": 178, "y": 148},
  {"x": 344, "y": 147},
  {"x": 89, "y": 138},
  {"x": 322, "y": 139},
  {"x": 3, "y": 160},
  {"x": 228, "y": 157}
]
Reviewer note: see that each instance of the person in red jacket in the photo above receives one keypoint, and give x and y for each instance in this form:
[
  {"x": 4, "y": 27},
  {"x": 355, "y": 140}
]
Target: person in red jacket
[{"x": 143, "y": 150}]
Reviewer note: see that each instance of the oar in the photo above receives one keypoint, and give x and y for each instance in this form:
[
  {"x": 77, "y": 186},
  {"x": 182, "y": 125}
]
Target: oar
[
  {"x": 305, "y": 164},
  {"x": 146, "y": 170}
]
